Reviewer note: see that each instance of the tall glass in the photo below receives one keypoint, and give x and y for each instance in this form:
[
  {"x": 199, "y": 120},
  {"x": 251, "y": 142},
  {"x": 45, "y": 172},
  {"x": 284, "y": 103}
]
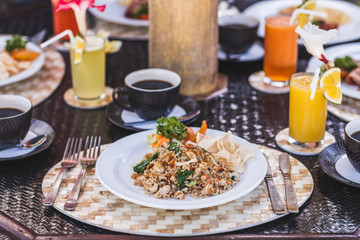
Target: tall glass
[
  {"x": 88, "y": 76},
  {"x": 281, "y": 50},
  {"x": 64, "y": 19},
  {"x": 307, "y": 118}
]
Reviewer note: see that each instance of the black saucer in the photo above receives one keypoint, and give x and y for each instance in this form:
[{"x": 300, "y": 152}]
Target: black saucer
[
  {"x": 114, "y": 113},
  {"x": 254, "y": 53},
  {"x": 37, "y": 128},
  {"x": 328, "y": 158}
]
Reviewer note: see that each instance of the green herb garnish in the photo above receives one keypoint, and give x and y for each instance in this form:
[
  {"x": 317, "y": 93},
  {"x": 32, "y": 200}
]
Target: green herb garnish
[
  {"x": 181, "y": 176},
  {"x": 171, "y": 128},
  {"x": 345, "y": 63},
  {"x": 140, "y": 11},
  {"x": 14, "y": 43},
  {"x": 140, "y": 168}
]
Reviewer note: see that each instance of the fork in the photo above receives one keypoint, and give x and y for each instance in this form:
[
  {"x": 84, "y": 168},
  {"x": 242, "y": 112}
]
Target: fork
[
  {"x": 90, "y": 155},
  {"x": 70, "y": 159}
]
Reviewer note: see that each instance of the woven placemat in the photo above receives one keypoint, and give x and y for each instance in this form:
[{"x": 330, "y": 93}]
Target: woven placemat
[
  {"x": 122, "y": 31},
  {"x": 41, "y": 85},
  {"x": 100, "y": 208},
  {"x": 347, "y": 111}
]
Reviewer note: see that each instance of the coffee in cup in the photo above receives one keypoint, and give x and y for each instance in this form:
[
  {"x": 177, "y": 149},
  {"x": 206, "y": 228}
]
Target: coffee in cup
[
  {"x": 150, "y": 93},
  {"x": 15, "y": 118},
  {"x": 352, "y": 143}
]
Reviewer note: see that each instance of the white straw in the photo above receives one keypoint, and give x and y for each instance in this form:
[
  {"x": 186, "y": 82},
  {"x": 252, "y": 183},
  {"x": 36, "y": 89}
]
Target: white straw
[
  {"x": 308, "y": 12},
  {"x": 314, "y": 82},
  {"x": 67, "y": 32}
]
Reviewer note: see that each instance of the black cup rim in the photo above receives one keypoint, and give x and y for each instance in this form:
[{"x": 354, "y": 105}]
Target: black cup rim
[
  {"x": 236, "y": 18},
  {"x": 154, "y": 76},
  {"x": 346, "y": 130},
  {"x": 20, "y": 114}
]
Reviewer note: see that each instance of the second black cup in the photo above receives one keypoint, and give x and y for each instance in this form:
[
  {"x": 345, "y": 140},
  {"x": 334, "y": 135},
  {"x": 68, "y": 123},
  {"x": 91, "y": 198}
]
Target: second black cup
[
  {"x": 352, "y": 143},
  {"x": 150, "y": 93}
]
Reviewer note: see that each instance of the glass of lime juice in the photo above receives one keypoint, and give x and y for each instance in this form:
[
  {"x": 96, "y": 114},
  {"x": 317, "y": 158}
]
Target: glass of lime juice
[{"x": 88, "y": 68}]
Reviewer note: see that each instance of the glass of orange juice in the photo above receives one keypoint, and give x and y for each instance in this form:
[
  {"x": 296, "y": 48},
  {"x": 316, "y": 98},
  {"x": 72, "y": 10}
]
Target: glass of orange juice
[
  {"x": 307, "y": 118},
  {"x": 88, "y": 76},
  {"x": 64, "y": 19},
  {"x": 281, "y": 50}
]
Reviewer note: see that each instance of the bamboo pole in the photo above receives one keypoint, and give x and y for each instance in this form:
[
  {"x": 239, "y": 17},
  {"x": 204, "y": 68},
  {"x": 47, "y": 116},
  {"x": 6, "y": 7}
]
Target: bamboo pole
[{"x": 183, "y": 37}]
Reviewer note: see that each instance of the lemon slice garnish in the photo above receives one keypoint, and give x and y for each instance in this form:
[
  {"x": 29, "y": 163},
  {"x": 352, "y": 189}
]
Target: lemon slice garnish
[
  {"x": 79, "y": 49},
  {"x": 112, "y": 46},
  {"x": 304, "y": 18},
  {"x": 330, "y": 82}
]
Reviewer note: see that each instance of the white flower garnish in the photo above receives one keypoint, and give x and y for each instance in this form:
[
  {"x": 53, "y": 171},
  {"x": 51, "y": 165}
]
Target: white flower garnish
[{"x": 314, "y": 38}]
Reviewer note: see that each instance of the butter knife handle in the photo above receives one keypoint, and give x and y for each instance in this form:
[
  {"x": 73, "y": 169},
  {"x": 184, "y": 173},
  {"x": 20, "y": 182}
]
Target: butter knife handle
[
  {"x": 275, "y": 199},
  {"x": 291, "y": 201}
]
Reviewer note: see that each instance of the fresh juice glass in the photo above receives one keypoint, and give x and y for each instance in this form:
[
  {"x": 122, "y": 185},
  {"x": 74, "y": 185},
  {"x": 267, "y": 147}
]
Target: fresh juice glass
[
  {"x": 88, "y": 76},
  {"x": 307, "y": 118},
  {"x": 64, "y": 19},
  {"x": 281, "y": 50}
]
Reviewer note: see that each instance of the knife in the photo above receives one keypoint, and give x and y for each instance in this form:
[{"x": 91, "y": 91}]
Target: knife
[
  {"x": 285, "y": 168},
  {"x": 275, "y": 199}
]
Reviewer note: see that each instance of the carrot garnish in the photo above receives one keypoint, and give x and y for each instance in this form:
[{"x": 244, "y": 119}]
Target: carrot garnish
[{"x": 202, "y": 130}]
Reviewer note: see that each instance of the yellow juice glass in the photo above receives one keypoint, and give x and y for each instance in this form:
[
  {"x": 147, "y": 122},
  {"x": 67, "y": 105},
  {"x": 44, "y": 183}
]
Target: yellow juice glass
[
  {"x": 88, "y": 76},
  {"x": 307, "y": 118}
]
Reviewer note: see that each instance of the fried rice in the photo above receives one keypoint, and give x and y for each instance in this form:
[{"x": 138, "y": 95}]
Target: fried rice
[{"x": 188, "y": 168}]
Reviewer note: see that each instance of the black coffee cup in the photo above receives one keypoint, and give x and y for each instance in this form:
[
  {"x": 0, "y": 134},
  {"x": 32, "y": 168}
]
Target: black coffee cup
[
  {"x": 237, "y": 33},
  {"x": 352, "y": 143},
  {"x": 15, "y": 118},
  {"x": 150, "y": 93}
]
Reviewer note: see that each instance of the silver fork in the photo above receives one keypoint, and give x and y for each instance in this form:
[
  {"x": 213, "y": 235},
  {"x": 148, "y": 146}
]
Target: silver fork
[
  {"x": 70, "y": 159},
  {"x": 90, "y": 155}
]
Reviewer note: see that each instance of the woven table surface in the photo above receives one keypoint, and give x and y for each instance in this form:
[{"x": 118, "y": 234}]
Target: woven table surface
[{"x": 333, "y": 208}]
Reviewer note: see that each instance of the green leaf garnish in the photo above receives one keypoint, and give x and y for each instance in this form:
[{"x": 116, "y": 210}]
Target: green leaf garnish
[
  {"x": 140, "y": 168},
  {"x": 181, "y": 176}
]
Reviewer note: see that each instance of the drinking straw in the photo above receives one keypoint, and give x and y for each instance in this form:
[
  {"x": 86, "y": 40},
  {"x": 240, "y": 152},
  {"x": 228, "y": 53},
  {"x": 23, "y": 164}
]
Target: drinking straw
[
  {"x": 67, "y": 32},
  {"x": 297, "y": 11},
  {"x": 314, "y": 82}
]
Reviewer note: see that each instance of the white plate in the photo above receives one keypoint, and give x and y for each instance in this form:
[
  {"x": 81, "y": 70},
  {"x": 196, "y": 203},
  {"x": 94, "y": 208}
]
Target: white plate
[
  {"x": 347, "y": 32},
  {"x": 350, "y": 49},
  {"x": 35, "y": 66},
  {"x": 114, "y": 169},
  {"x": 115, "y": 13}
]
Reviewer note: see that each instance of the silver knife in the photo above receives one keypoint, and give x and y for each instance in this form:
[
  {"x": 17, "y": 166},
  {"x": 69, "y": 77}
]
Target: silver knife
[
  {"x": 285, "y": 167},
  {"x": 275, "y": 199}
]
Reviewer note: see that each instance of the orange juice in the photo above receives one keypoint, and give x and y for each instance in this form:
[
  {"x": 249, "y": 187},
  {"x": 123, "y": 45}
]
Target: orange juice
[
  {"x": 64, "y": 19},
  {"x": 307, "y": 118},
  {"x": 281, "y": 48}
]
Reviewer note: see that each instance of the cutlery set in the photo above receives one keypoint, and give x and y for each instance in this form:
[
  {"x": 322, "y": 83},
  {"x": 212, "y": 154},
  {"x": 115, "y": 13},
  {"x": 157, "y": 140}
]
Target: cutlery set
[
  {"x": 70, "y": 160},
  {"x": 290, "y": 195}
]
